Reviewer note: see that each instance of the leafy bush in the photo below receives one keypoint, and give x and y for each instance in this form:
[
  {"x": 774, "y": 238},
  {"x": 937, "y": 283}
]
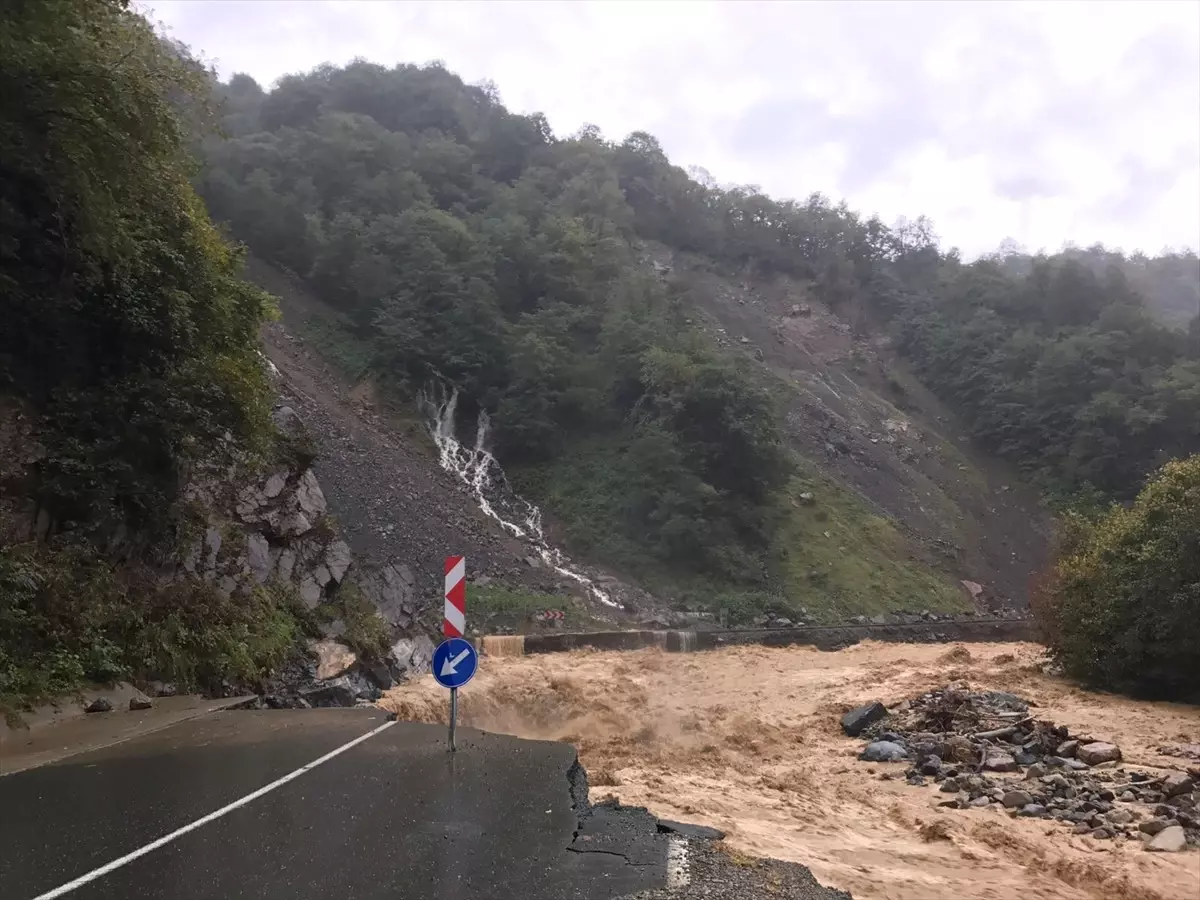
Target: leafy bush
[
  {"x": 69, "y": 617},
  {"x": 125, "y": 322},
  {"x": 1121, "y": 607}
]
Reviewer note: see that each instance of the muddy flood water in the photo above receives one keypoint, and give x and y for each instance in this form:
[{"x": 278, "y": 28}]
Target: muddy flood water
[{"x": 748, "y": 740}]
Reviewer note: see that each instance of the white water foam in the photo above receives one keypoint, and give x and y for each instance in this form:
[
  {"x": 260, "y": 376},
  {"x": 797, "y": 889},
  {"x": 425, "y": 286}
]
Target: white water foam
[{"x": 479, "y": 470}]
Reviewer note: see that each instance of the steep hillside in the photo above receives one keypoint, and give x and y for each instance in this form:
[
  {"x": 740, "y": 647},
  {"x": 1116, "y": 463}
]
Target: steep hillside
[
  {"x": 697, "y": 383},
  {"x": 379, "y": 469},
  {"x": 897, "y": 516},
  {"x": 869, "y": 432}
]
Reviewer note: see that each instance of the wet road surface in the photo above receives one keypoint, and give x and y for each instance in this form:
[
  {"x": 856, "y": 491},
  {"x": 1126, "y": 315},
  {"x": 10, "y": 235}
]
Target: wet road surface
[{"x": 394, "y": 816}]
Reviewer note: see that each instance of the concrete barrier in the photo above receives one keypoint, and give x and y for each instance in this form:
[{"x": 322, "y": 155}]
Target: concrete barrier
[{"x": 823, "y": 637}]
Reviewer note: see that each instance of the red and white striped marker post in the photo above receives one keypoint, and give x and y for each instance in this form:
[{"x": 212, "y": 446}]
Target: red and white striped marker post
[
  {"x": 454, "y": 621},
  {"x": 454, "y": 625}
]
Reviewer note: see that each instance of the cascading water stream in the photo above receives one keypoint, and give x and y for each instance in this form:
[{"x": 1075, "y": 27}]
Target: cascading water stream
[{"x": 479, "y": 470}]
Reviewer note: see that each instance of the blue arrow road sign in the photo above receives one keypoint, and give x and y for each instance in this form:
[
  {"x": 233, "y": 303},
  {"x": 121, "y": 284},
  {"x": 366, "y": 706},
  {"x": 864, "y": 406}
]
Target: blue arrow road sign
[{"x": 454, "y": 662}]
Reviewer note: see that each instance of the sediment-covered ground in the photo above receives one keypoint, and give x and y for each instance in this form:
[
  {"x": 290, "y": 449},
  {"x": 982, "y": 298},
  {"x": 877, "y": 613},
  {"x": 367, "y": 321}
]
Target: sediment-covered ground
[{"x": 749, "y": 740}]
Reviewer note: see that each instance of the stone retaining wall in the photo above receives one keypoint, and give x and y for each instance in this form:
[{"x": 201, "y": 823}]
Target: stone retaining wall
[{"x": 824, "y": 637}]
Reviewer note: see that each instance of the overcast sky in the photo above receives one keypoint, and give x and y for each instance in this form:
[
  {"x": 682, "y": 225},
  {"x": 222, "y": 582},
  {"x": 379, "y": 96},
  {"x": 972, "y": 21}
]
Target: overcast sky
[{"x": 1044, "y": 122}]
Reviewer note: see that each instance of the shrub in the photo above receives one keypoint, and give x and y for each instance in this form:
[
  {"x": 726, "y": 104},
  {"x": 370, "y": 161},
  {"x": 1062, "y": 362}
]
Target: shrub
[
  {"x": 69, "y": 617},
  {"x": 1121, "y": 607}
]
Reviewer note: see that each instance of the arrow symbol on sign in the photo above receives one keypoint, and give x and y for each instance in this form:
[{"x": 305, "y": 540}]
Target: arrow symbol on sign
[{"x": 450, "y": 666}]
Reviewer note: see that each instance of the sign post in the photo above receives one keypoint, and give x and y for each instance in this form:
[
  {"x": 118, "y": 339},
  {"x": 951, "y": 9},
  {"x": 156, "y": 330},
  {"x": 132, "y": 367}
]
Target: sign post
[{"x": 455, "y": 659}]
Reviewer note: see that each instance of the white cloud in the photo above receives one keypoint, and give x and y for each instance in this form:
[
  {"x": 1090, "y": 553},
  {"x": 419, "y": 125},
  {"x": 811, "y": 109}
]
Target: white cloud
[{"x": 1043, "y": 122}]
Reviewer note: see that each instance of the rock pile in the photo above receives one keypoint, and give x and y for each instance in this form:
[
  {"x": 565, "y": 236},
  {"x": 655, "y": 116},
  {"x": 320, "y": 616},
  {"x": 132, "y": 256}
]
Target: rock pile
[{"x": 966, "y": 743}]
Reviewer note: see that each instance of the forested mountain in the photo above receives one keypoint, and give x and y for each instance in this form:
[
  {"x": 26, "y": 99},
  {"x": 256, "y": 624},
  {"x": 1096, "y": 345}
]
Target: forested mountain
[
  {"x": 1169, "y": 282},
  {"x": 467, "y": 241}
]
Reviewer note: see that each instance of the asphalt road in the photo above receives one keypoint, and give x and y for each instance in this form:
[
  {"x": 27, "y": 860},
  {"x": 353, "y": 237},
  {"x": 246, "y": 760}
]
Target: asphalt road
[{"x": 395, "y": 816}]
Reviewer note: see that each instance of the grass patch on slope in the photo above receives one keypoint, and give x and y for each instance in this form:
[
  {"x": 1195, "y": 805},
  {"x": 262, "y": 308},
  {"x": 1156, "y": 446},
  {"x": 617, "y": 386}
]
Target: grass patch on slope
[
  {"x": 838, "y": 558},
  {"x": 338, "y": 344},
  {"x": 863, "y": 567},
  {"x": 584, "y": 489}
]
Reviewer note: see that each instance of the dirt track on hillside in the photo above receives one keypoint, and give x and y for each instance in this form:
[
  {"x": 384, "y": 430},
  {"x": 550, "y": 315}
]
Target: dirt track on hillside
[{"x": 747, "y": 739}]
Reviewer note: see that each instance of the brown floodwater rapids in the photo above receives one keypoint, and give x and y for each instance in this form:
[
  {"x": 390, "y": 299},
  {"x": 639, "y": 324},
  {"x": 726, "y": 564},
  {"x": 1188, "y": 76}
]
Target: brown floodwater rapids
[{"x": 748, "y": 740}]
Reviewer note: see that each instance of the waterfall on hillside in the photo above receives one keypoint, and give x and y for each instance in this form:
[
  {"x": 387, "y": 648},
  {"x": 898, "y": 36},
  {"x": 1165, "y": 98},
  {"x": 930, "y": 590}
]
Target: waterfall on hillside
[{"x": 478, "y": 469}]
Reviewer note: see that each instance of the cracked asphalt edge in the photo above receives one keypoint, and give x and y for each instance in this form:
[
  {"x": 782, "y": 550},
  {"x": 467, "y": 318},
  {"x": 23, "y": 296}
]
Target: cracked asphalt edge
[{"x": 715, "y": 872}]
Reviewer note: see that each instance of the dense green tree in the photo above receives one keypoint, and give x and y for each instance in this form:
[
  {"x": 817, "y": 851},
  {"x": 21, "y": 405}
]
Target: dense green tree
[
  {"x": 125, "y": 322},
  {"x": 1121, "y": 609},
  {"x": 465, "y": 244}
]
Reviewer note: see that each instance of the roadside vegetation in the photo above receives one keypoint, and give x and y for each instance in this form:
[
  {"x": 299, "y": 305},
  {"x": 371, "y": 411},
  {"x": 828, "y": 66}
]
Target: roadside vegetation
[
  {"x": 1121, "y": 608},
  {"x": 131, "y": 340},
  {"x": 69, "y": 617}
]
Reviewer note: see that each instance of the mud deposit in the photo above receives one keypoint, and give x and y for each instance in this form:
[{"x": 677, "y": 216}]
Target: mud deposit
[{"x": 748, "y": 740}]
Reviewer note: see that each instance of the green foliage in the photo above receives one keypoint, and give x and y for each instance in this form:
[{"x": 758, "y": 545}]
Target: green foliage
[
  {"x": 1061, "y": 370},
  {"x": 69, "y": 617},
  {"x": 126, "y": 324},
  {"x": 462, "y": 244},
  {"x": 836, "y": 557},
  {"x": 367, "y": 633},
  {"x": 1121, "y": 608}
]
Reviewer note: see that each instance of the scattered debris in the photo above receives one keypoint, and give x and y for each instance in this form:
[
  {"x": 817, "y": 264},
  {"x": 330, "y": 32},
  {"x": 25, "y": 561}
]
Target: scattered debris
[{"x": 959, "y": 738}]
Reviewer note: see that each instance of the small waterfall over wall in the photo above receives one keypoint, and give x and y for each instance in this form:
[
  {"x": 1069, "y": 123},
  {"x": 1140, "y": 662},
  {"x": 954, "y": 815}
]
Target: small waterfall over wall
[
  {"x": 479, "y": 470},
  {"x": 502, "y": 645},
  {"x": 676, "y": 641}
]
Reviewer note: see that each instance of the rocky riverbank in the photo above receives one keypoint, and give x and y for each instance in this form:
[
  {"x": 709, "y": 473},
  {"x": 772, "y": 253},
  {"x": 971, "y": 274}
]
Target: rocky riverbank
[{"x": 991, "y": 750}]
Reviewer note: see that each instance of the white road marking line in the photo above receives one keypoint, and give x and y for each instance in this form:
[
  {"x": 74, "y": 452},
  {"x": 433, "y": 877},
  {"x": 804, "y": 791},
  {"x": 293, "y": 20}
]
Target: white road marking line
[
  {"x": 677, "y": 863},
  {"x": 167, "y": 838}
]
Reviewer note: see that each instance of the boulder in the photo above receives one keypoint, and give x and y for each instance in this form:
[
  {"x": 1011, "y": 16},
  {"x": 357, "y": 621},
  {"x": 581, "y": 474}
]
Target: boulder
[
  {"x": 258, "y": 557},
  {"x": 1170, "y": 840},
  {"x": 390, "y": 589},
  {"x": 290, "y": 524},
  {"x": 335, "y": 692},
  {"x": 410, "y": 656},
  {"x": 287, "y": 562},
  {"x": 1178, "y": 783},
  {"x": 163, "y": 688},
  {"x": 99, "y": 705},
  {"x": 1120, "y": 817},
  {"x": 310, "y": 592},
  {"x": 1098, "y": 752},
  {"x": 333, "y": 658},
  {"x": 998, "y": 761},
  {"x": 1154, "y": 826},
  {"x": 274, "y": 485},
  {"x": 310, "y": 499},
  {"x": 1067, "y": 749},
  {"x": 883, "y": 751},
  {"x": 137, "y": 704},
  {"x": 930, "y": 765},
  {"x": 337, "y": 559},
  {"x": 857, "y": 720},
  {"x": 1016, "y": 799}
]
